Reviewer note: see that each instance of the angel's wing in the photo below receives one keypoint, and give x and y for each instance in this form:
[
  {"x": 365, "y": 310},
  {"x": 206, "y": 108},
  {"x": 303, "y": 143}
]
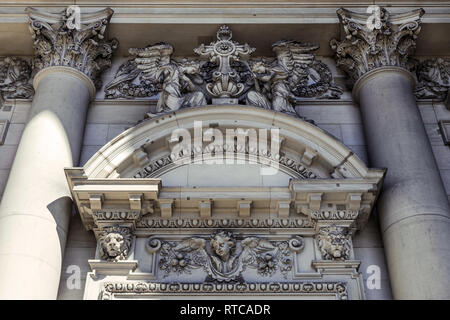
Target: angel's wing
[
  {"x": 258, "y": 245},
  {"x": 190, "y": 244},
  {"x": 127, "y": 72},
  {"x": 293, "y": 54},
  {"x": 153, "y": 58}
]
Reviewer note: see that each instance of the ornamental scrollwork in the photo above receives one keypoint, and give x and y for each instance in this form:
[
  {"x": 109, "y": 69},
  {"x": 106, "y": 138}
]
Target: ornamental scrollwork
[
  {"x": 363, "y": 49},
  {"x": 57, "y": 43},
  {"x": 433, "y": 76},
  {"x": 223, "y": 257},
  {"x": 334, "y": 243},
  {"x": 224, "y": 74},
  {"x": 115, "y": 243},
  {"x": 15, "y": 76}
]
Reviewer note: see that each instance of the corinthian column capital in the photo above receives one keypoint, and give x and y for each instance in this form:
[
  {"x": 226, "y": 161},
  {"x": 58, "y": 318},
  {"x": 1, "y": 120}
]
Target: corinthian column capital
[
  {"x": 58, "y": 43},
  {"x": 367, "y": 47}
]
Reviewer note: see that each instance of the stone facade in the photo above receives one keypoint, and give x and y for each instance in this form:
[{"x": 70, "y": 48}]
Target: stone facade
[{"x": 166, "y": 215}]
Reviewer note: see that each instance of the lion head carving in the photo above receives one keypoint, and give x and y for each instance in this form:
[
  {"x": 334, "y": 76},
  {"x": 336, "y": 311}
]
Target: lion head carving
[
  {"x": 115, "y": 243},
  {"x": 334, "y": 243}
]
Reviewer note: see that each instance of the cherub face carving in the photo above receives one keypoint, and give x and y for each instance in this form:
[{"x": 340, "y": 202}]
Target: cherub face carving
[{"x": 223, "y": 245}]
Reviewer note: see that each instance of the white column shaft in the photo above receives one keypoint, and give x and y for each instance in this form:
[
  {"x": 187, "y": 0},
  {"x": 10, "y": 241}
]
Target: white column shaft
[{"x": 36, "y": 204}]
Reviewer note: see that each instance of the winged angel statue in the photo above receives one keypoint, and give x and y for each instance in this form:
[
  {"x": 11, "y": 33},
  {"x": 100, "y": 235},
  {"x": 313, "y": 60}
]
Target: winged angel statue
[
  {"x": 295, "y": 73},
  {"x": 222, "y": 259},
  {"x": 179, "y": 80}
]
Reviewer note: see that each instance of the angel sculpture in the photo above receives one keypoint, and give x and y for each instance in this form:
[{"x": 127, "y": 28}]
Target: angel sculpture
[
  {"x": 295, "y": 73},
  {"x": 14, "y": 79},
  {"x": 179, "y": 79}
]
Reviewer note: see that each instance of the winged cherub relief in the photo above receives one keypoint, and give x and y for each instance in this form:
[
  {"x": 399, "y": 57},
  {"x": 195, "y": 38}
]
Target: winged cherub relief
[
  {"x": 223, "y": 257},
  {"x": 179, "y": 80}
]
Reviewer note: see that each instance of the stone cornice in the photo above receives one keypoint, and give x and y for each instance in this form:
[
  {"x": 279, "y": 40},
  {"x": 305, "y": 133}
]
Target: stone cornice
[
  {"x": 338, "y": 289},
  {"x": 389, "y": 45},
  {"x": 56, "y": 44}
]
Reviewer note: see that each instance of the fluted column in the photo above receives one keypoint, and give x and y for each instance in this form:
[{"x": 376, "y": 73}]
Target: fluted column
[
  {"x": 413, "y": 206},
  {"x": 36, "y": 204}
]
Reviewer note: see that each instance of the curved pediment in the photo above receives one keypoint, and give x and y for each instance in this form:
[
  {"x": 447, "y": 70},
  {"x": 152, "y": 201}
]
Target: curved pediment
[
  {"x": 149, "y": 172},
  {"x": 146, "y": 150}
]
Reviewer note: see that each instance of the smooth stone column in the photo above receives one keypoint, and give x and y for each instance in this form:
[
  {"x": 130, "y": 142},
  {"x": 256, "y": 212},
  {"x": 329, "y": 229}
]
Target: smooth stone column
[
  {"x": 36, "y": 204},
  {"x": 413, "y": 206}
]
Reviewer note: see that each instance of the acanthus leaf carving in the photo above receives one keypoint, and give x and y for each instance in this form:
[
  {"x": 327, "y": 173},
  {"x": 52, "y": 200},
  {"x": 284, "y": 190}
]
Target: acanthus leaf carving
[
  {"x": 363, "y": 49},
  {"x": 57, "y": 44}
]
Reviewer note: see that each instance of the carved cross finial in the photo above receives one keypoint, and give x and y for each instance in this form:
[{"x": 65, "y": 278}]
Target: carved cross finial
[{"x": 223, "y": 52}]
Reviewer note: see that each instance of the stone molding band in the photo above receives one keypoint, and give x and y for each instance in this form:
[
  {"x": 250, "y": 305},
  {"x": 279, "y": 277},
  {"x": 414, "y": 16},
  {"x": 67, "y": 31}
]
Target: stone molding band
[
  {"x": 373, "y": 73},
  {"x": 68, "y": 71}
]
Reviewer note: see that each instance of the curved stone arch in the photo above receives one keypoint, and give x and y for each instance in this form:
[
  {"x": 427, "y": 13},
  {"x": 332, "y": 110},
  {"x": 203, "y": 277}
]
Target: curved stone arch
[{"x": 133, "y": 150}]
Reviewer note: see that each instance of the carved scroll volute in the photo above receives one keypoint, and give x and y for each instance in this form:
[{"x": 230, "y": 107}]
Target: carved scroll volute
[
  {"x": 225, "y": 82},
  {"x": 363, "y": 50},
  {"x": 57, "y": 44}
]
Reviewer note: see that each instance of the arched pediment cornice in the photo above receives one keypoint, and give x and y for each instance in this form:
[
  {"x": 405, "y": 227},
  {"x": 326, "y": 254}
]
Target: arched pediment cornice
[
  {"x": 133, "y": 178},
  {"x": 306, "y": 150}
]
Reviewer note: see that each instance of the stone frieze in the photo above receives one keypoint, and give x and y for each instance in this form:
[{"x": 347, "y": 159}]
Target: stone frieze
[
  {"x": 111, "y": 289},
  {"x": 224, "y": 74}
]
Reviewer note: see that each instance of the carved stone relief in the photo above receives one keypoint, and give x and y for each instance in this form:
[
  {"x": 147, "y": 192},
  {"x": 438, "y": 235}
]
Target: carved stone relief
[
  {"x": 223, "y": 257},
  {"x": 433, "y": 76},
  {"x": 115, "y": 243},
  {"x": 15, "y": 76},
  {"x": 334, "y": 243},
  {"x": 225, "y": 75},
  {"x": 154, "y": 167},
  {"x": 152, "y": 222},
  {"x": 363, "y": 50},
  {"x": 58, "y": 44},
  {"x": 109, "y": 289}
]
